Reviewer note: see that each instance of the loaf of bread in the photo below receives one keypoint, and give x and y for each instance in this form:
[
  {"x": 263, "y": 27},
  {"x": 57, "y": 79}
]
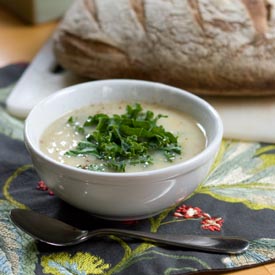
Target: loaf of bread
[{"x": 209, "y": 47}]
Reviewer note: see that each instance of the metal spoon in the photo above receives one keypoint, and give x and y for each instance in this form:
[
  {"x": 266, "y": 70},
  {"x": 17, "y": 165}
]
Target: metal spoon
[{"x": 55, "y": 232}]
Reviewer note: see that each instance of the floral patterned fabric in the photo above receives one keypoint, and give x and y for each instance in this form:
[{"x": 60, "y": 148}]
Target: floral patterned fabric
[{"x": 237, "y": 198}]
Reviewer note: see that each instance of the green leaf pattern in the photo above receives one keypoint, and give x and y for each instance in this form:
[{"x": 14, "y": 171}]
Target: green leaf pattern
[
  {"x": 79, "y": 264},
  {"x": 259, "y": 251},
  {"x": 9, "y": 125},
  {"x": 243, "y": 174},
  {"x": 18, "y": 253}
]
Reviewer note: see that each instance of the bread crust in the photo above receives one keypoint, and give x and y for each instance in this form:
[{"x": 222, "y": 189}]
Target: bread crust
[{"x": 209, "y": 47}]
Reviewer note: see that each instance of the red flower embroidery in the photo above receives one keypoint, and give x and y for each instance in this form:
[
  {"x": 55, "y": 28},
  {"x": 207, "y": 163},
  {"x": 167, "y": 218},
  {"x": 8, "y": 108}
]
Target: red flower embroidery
[
  {"x": 208, "y": 222},
  {"x": 213, "y": 224},
  {"x": 41, "y": 185},
  {"x": 188, "y": 212}
]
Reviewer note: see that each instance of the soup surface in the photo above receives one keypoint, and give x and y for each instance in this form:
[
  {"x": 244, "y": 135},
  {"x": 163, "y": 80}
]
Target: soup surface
[{"x": 62, "y": 136}]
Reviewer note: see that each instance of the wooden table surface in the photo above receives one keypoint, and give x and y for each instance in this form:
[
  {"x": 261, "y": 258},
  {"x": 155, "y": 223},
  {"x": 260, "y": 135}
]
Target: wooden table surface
[{"x": 19, "y": 42}]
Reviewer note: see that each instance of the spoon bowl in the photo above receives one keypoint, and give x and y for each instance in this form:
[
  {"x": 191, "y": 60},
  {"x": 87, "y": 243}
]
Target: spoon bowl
[{"x": 58, "y": 233}]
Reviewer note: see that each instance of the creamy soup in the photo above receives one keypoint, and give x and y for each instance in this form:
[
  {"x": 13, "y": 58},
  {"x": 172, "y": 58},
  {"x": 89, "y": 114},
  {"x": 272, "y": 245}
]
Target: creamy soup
[{"x": 62, "y": 136}]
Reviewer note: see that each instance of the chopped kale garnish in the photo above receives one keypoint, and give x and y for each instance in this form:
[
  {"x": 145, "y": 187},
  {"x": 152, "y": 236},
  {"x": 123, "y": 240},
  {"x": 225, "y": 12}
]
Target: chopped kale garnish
[{"x": 121, "y": 140}]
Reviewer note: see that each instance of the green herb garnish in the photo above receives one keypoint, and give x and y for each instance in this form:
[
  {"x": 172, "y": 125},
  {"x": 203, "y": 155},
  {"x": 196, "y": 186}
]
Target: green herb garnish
[{"x": 126, "y": 139}]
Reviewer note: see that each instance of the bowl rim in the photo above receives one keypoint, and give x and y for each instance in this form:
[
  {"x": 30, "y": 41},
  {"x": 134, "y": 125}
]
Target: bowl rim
[{"x": 169, "y": 171}]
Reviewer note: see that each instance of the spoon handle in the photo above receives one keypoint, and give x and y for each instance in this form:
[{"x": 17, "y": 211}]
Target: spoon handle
[{"x": 219, "y": 244}]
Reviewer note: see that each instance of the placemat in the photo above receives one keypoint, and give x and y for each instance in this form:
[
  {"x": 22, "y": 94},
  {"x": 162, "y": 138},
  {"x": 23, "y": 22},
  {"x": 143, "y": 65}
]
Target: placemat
[{"x": 237, "y": 198}]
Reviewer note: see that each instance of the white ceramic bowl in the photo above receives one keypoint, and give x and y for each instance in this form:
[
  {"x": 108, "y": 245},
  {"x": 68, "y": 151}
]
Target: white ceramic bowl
[{"x": 122, "y": 196}]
